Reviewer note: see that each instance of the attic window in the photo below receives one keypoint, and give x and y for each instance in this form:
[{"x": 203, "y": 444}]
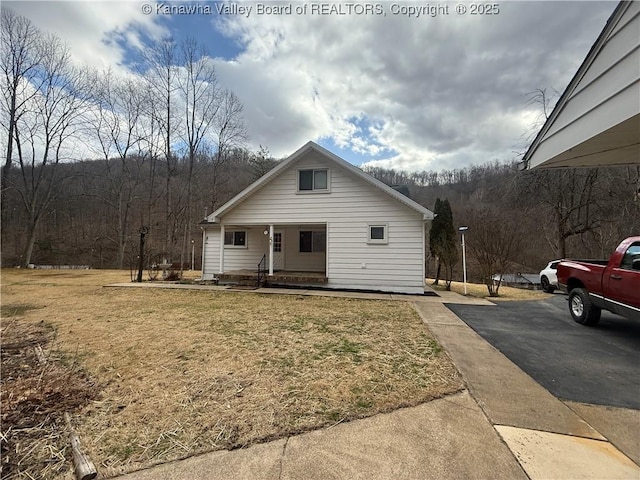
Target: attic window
[{"x": 313, "y": 180}]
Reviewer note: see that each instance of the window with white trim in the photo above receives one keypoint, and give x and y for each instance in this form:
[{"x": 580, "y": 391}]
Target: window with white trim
[
  {"x": 235, "y": 239},
  {"x": 377, "y": 233},
  {"x": 313, "y": 180}
]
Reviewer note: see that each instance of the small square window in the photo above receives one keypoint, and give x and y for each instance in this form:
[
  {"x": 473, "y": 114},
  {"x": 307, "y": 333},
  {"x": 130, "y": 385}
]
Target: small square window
[{"x": 377, "y": 234}]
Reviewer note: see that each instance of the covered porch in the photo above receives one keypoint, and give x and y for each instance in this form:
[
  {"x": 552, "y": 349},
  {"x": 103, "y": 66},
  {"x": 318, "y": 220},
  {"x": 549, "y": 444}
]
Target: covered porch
[{"x": 273, "y": 254}]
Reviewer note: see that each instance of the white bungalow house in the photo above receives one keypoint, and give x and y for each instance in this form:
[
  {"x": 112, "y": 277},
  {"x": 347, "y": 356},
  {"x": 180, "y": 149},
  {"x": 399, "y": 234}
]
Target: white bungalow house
[
  {"x": 317, "y": 219},
  {"x": 596, "y": 121}
]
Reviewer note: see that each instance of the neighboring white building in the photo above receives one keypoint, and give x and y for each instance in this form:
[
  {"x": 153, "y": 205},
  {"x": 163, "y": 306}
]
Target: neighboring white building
[
  {"x": 315, "y": 212},
  {"x": 596, "y": 121}
]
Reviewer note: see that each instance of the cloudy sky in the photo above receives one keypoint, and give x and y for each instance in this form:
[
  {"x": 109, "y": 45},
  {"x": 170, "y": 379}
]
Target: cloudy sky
[{"x": 408, "y": 85}]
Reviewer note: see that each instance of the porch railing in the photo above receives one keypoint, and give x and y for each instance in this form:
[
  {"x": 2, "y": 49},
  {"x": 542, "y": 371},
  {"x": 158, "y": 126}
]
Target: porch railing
[{"x": 262, "y": 271}]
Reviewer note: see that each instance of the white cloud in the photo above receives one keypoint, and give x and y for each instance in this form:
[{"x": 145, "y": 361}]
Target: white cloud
[
  {"x": 412, "y": 93},
  {"x": 91, "y": 28},
  {"x": 442, "y": 92}
]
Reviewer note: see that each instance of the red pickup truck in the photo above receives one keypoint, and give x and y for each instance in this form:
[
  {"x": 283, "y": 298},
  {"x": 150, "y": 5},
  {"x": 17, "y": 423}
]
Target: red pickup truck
[{"x": 612, "y": 285}]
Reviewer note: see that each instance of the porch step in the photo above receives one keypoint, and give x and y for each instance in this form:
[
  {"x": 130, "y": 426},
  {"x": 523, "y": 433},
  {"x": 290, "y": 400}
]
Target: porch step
[
  {"x": 242, "y": 280},
  {"x": 279, "y": 278},
  {"x": 285, "y": 279}
]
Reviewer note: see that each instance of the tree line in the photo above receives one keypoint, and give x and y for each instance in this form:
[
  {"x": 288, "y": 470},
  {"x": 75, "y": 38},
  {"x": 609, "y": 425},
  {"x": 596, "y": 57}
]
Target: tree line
[
  {"x": 147, "y": 134},
  {"x": 520, "y": 220},
  {"x": 93, "y": 156}
]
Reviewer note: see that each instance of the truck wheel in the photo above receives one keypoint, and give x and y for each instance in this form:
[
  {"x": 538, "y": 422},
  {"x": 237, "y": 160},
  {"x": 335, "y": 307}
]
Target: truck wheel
[
  {"x": 581, "y": 308},
  {"x": 546, "y": 286}
]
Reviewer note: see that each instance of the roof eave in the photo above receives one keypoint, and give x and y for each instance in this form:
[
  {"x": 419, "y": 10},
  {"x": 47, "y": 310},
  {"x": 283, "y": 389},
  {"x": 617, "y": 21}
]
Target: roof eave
[{"x": 612, "y": 21}]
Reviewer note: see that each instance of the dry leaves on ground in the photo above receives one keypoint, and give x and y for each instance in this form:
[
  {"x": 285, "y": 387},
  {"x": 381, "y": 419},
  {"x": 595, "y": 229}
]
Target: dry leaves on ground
[{"x": 178, "y": 372}]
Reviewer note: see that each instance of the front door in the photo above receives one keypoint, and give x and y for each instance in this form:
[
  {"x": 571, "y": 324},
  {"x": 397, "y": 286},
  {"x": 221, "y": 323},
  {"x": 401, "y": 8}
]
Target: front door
[{"x": 278, "y": 250}]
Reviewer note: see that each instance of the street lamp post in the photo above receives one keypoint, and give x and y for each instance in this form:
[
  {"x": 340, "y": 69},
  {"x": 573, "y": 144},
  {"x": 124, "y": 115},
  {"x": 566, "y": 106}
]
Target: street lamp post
[
  {"x": 463, "y": 229},
  {"x": 193, "y": 253},
  {"x": 143, "y": 231}
]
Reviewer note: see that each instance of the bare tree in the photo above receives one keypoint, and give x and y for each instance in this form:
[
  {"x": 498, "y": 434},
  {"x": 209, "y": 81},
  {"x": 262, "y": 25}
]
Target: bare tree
[
  {"x": 618, "y": 195},
  {"x": 569, "y": 197},
  {"x": 231, "y": 136},
  {"x": 20, "y": 58},
  {"x": 152, "y": 145},
  {"x": 52, "y": 119},
  {"x": 161, "y": 63},
  {"x": 231, "y": 129},
  {"x": 261, "y": 162},
  {"x": 568, "y": 194},
  {"x": 540, "y": 98},
  {"x": 494, "y": 242},
  {"x": 116, "y": 124},
  {"x": 45, "y": 113},
  {"x": 200, "y": 95}
]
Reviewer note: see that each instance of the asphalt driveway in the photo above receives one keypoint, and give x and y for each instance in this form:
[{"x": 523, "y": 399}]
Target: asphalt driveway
[{"x": 598, "y": 365}]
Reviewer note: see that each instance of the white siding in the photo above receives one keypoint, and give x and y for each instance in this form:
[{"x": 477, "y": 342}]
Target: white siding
[
  {"x": 347, "y": 210},
  {"x": 235, "y": 258},
  {"x": 607, "y": 95},
  {"x": 211, "y": 259},
  {"x": 296, "y": 260}
]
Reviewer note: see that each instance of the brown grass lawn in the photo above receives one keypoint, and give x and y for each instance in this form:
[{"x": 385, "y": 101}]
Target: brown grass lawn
[
  {"x": 480, "y": 291},
  {"x": 177, "y": 372}
]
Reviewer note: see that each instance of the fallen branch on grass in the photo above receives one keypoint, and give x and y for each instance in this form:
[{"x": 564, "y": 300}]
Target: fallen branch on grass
[
  {"x": 40, "y": 354},
  {"x": 84, "y": 468}
]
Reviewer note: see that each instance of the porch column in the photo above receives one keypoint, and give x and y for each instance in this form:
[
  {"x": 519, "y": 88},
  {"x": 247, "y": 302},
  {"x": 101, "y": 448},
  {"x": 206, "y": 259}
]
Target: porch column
[
  {"x": 221, "y": 249},
  {"x": 271, "y": 250},
  {"x": 202, "y": 257}
]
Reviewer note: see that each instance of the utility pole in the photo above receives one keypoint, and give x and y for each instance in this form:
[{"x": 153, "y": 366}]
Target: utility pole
[{"x": 463, "y": 229}]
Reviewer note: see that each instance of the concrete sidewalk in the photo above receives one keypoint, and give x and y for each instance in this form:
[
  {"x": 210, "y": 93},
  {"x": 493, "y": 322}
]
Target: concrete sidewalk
[
  {"x": 549, "y": 439},
  {"x": 446, "y": 438},
  {"x": 505, "y": 426}
]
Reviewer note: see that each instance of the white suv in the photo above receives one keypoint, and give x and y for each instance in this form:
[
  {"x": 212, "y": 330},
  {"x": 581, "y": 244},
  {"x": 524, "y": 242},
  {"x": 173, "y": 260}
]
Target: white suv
[{"x": 548, "y": 276}]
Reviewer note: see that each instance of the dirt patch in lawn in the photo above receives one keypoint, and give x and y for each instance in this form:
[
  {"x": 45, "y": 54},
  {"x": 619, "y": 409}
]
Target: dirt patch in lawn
[
  {"x": 38, "y": 384},
  {"x": 178, "y": 372}
]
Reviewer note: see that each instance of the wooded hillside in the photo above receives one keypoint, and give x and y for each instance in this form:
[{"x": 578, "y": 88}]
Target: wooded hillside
[
  {"x": 579, "y": 213},
  {"x": 553, "y": 214},
  {"x": 92, "y": 157}
]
